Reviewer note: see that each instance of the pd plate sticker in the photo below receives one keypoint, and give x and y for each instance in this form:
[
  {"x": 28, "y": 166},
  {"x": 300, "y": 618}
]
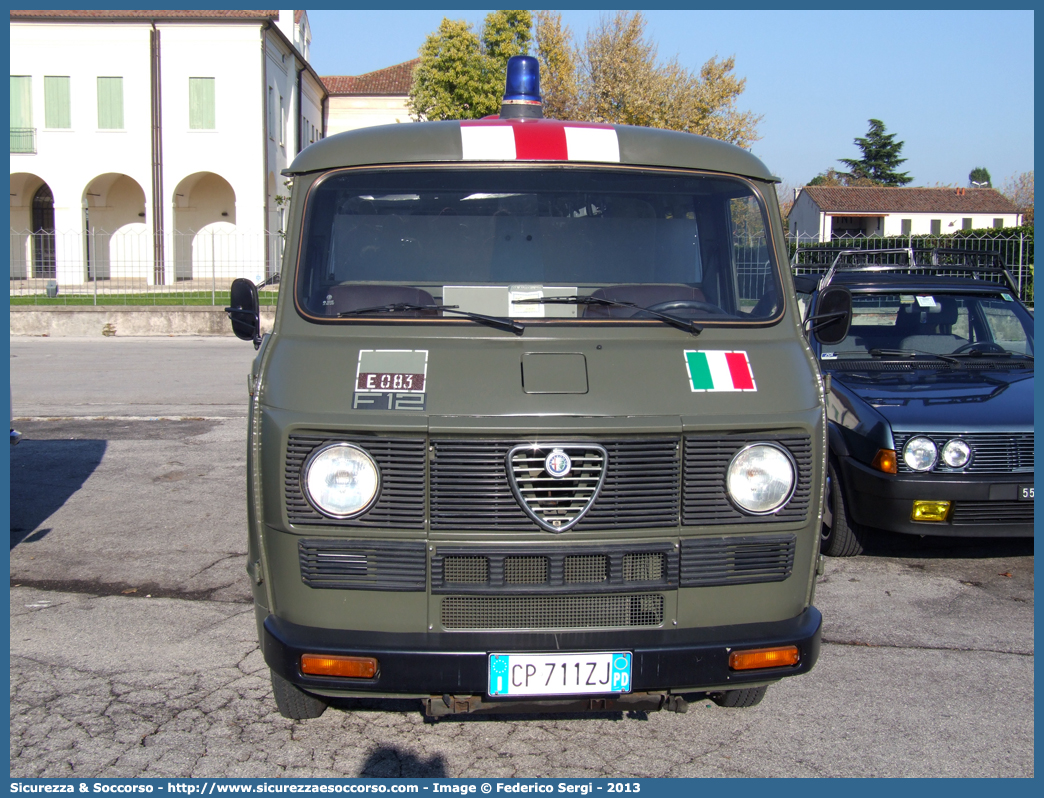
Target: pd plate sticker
[
  {"x": 717, "y": 370},
  {"x": 391, "y": 379}
]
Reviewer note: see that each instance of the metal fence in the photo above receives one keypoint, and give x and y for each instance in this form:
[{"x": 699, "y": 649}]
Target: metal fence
[
  {"x": 136, "y": 268},
  {"x": 1015, "y": 251}
]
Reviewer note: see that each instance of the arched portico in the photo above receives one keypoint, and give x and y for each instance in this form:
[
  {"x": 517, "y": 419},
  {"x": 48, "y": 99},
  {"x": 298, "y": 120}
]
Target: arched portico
[
  {"x": 118, "y": 243},
  {"x": 205, "y": 244},
  {"x": 32, "y": 228}
]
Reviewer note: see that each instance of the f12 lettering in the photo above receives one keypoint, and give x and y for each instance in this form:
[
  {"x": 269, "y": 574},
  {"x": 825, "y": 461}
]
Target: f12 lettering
[{"x": 388, "y": 400}]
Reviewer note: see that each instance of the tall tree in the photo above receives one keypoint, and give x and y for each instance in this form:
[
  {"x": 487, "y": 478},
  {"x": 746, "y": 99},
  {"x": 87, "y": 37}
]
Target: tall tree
[
  {"x": 880, "y": 157},
  {"x": 504, "y": 34},
  {"x": 614, "y": 77},
  {"x": 979, "y": 175},
  {"x": 620, "y": 82},
  {"x": 461, "y": 73},
  {"x": 558, "y": 72},
  {"x": 447, "y": 83}
]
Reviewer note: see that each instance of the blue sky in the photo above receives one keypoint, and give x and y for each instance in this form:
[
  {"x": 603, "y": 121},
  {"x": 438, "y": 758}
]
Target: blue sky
[{"x": 955, "y": 86}]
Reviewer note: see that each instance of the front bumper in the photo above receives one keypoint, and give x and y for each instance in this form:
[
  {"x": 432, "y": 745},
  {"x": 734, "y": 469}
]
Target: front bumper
[
  {"x": 420, "y": 665},
  {"x": 983, "y": 506}
]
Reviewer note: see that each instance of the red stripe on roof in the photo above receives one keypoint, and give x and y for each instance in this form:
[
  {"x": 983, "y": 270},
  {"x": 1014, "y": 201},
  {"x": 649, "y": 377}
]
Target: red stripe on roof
[{"x": 540, "y": 143}]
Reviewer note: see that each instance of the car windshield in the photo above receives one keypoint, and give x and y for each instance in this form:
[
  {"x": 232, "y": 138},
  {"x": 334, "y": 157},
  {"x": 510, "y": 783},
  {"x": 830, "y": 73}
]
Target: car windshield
[
  {"x": 604, "y": 243},
  {"x": 934, "y": 324}
]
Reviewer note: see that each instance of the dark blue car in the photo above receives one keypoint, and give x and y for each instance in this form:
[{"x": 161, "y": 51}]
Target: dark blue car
[{"x": 930, "y": 401}]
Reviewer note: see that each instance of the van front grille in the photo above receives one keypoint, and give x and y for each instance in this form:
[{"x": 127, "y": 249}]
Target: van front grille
[
  {"x": 402, "y": 499},
  {"x": 705, "y": 500},
  {"x": 470, "y": 487},
  {"x": 503, "y": 570},
  {"x": 552, "y": 612},
  {"x": 339, "y": 564}
]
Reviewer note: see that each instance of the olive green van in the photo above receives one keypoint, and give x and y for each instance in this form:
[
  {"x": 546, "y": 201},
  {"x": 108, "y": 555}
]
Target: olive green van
[{"x": 536, "y": 425}]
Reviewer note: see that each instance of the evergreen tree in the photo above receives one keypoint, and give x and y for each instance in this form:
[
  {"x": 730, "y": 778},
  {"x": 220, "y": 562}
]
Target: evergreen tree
[
  {"x": 880, "y": 158},
  {"x": 979, "y": 175}
]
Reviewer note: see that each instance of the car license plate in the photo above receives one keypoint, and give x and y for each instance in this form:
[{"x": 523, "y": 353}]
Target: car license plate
[
  {"x": 559, "y": 674},
  {"x": 1025, "y": 493}
]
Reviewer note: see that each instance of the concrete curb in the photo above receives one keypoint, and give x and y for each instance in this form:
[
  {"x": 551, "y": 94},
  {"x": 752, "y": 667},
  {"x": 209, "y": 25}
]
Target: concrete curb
[{"x": 91, "y": 321}]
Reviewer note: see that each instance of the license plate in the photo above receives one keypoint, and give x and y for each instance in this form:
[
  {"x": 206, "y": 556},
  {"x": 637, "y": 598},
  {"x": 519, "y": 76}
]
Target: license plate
[
  {"x": 1025, "y": 493},
  {"x": 559, "y": 674}
]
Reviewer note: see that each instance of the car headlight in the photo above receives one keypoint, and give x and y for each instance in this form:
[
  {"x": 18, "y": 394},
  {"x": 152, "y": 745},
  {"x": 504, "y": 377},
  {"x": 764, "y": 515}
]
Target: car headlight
[
  {"x": 341, "y": 480},
  {"x": 920, "y": 453},
  {"x": 956, "y": 453},
  {"x": 761, "y": 478}
]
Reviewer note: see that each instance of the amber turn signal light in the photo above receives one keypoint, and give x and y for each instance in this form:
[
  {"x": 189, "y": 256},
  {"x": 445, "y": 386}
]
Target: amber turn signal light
[
  {"x": 345, "y": 667},
  {"x": 885, "y": 461},
  {"x": 755, "y": 658}
]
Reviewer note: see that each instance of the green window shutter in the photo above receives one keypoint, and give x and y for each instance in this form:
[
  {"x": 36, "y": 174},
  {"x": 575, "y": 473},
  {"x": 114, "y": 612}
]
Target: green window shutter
[
  {"x": 21, "y": 101},
  {"x": 202, "y": 104},
  {"x": 936, "y": 227},
  {"x": 966, "y": 223},
  {"x": 907, "y": 226},
  {"x": 56, "y": 103},
  {"x": 110, "y": 103}
]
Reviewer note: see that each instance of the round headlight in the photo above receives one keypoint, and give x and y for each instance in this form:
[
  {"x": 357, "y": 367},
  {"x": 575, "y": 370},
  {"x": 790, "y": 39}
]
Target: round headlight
[
  {"x": 956, "y": 453},
  {"x": 341, "y": 480},
  {"x": 920, "y": 453},
  {"x": 761, "y": 478}
]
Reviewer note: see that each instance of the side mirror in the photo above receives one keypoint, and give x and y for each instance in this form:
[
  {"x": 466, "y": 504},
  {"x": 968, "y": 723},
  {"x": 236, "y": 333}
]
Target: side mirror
[
  {"x": 245, "y": 311},
  {"x": 832, "y": 314}
]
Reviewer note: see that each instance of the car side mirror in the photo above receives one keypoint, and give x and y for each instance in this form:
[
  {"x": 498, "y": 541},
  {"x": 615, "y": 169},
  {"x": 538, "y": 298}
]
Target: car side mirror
[
  {"x": 832, "y": 315},
  {"x": 245, "y": 311}
]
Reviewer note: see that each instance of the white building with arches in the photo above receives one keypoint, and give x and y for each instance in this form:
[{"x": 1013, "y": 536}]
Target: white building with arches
[{"x": 148, "y": 145}]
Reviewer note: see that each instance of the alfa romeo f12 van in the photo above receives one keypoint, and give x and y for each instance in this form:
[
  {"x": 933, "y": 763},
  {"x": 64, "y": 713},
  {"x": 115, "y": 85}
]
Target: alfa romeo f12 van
[{"x": 536, "y": 426}]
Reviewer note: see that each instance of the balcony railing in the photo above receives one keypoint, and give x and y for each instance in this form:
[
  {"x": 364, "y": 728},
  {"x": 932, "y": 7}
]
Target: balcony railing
[{"x": 23, "y": 139}]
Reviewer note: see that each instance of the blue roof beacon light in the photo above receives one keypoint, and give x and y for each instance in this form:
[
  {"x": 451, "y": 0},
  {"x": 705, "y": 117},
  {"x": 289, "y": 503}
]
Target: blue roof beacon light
[{"x": 522, "y": 92}]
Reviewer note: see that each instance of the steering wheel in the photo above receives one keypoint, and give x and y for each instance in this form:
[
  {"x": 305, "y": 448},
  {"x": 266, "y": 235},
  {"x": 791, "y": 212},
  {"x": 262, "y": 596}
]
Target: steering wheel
[
  {"x": 983, "y": 346},
  {"x": 687, "y": 304}
]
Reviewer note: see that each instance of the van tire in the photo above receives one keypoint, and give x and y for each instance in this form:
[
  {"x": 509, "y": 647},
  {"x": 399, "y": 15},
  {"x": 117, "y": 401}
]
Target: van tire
[
  {"x": 747, "y": 697},
  {"x": 844, "y": 538},
  {"x": 293, "y": 702}
]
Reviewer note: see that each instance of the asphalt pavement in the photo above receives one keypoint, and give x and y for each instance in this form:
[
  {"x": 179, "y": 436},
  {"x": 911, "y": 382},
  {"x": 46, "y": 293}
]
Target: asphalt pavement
[{"x": 134, "y": 649}]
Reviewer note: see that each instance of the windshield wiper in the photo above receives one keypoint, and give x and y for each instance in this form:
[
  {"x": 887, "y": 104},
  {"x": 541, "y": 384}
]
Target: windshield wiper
[
  {"x": 493, "y": 321},
  {"x": 576, "y": 299},
  {"x": 910, "y": 353}
]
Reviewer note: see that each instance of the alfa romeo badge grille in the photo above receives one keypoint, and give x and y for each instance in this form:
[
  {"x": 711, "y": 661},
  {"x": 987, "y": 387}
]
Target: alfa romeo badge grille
[{"x": 556, "y": 483}]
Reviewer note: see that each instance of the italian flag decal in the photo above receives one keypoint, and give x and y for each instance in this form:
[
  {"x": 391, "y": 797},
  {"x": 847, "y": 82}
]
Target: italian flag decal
[
  {"x": 716, "y": 370},
  {"x": 538, "y": 140}
]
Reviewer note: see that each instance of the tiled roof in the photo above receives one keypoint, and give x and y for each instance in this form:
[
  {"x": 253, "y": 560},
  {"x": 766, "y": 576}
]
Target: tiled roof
[
  {"x": 390, "y": 80},
  {"x": 842, "y": 199},
  {"x": 71, "y": 13},
  {"x": 297, "y": 17}
]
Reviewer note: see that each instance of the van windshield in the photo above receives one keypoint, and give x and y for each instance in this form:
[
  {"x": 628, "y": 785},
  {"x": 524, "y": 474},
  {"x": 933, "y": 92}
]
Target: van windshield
[{"x": 605, "y": 243}]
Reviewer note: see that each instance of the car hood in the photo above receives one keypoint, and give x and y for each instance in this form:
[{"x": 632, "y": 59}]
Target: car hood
[{"x": 946, "y": 400}]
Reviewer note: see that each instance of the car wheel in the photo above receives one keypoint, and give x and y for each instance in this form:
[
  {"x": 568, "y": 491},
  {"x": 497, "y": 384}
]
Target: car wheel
[
  {"x": 843, "y": 537},
  {"x": 747, "y": 697},
  {"x": 293, "y": 702}
]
